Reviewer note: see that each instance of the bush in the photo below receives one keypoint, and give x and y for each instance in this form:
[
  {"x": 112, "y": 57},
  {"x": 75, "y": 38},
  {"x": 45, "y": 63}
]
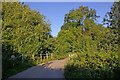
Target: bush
[{"x": 99, "y": 66}]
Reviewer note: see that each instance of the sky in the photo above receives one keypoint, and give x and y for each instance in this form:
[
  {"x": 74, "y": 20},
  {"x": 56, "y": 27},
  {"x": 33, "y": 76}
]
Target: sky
[{"x": 55, "y": 11}]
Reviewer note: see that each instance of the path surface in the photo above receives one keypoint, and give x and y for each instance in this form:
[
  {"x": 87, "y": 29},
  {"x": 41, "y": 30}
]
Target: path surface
[{"x": 52, "y": 69}]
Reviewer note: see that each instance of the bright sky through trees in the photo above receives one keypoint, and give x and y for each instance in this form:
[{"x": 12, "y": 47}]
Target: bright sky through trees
[{"x": 55, "y": 11}]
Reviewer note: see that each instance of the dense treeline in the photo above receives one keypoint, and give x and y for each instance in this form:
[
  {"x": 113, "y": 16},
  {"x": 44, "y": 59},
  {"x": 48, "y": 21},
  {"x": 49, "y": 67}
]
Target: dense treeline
[
  {"x": 96, "y": 46},
  {"x": 26, "y": 32}
]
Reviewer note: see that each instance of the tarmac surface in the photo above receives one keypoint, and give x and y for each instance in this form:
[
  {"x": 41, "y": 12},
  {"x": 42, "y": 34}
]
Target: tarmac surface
[{"x": 51, "y": 69}]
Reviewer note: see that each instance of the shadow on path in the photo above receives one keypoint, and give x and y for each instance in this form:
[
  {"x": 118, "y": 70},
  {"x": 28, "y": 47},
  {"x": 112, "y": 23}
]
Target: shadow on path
[{"x": 52, "y": 69}]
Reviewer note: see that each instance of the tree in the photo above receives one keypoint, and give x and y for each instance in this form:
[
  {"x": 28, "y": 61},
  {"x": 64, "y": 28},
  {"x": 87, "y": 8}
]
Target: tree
[
  {"x": 78, "y": 25},
  {"x": 112, "y": 20},
  {"x": 77, "y": 17},
  {"x": 24, "y": 31},
  {"x": 23, "y": 28}
]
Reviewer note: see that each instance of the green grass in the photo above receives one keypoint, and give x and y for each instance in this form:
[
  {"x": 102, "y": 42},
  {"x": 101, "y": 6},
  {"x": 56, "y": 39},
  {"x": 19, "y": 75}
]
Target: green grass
[{"x": 17, "y": 69}]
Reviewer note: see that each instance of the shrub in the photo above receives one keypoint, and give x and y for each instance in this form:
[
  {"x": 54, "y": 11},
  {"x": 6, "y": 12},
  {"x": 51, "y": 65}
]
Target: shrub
[{"x": 100, "y": 66}]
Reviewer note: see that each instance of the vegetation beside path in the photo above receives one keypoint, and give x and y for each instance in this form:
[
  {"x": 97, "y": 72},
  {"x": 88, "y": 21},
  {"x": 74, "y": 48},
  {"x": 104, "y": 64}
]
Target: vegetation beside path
[
  {"x": 27, "y": 41},
  {"x": 97, "y": 51},
  {"x": 26, "y": 38}
]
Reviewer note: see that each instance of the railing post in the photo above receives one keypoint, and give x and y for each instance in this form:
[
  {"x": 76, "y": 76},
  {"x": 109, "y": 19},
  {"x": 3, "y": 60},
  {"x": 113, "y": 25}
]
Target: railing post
[
  {"x": 41, "y": 57},
  {"x": 69, "y": 56},
  {"x": 51, "y": 55},
  {"x": 47, "y": 55}
]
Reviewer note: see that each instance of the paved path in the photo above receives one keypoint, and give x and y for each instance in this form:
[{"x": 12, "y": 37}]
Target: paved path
[{"x": 52, "y": 69}]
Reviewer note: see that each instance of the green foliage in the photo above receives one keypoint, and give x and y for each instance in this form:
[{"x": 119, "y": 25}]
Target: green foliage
[
  {"x": 100, "y": 65},
  {"x": 72, "y": 37},
  {"x": 112, "y": 21},
  {"x": 24, "y": 31},
  {"x": 80, "y": 14},
  {"x": 96, "y": 46}
]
